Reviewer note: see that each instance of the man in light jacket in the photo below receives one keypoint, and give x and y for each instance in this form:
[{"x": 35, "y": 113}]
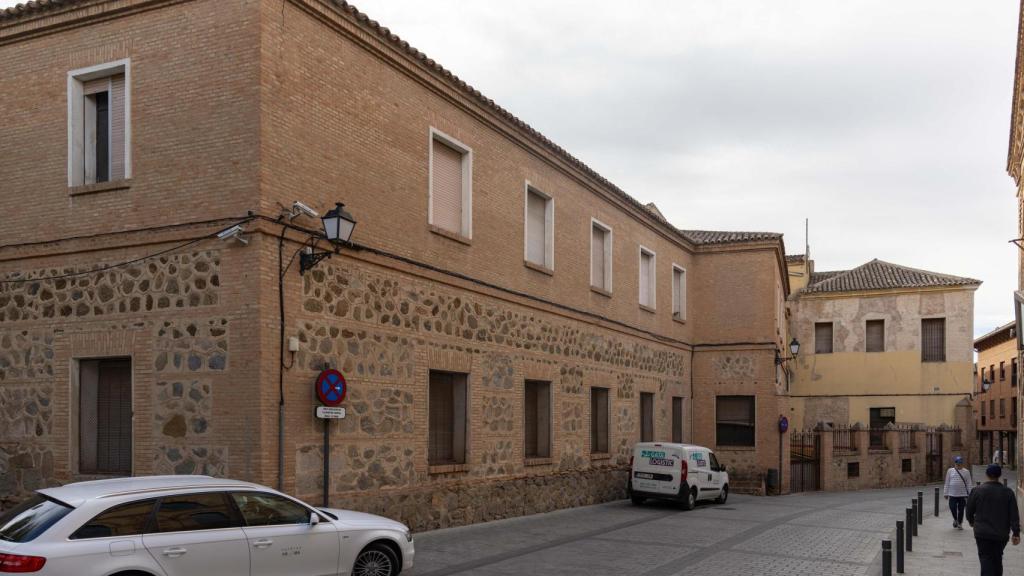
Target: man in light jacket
[
  {"x": 992, "y": 511},
  {"x": 957, "y": 489}
]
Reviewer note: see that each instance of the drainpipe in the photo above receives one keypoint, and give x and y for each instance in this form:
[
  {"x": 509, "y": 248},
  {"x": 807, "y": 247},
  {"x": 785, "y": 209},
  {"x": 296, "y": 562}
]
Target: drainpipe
[{"x": 280, "y": 363}]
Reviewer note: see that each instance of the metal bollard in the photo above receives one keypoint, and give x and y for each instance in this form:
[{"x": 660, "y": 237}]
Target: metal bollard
[
  {"x": 909, "y": 532},
  {"x": 899, "y": 546},
  {"x": 936, "y": 501},
  {"x": 886, "y": 557},
  {"x": 920, "y": 508},
  {"x": 913, "y": 518}
]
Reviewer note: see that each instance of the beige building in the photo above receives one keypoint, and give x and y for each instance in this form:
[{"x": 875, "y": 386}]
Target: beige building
[
  {"x": 996, "y": 393},
  {"x": 509, "y": 322},
  {"x": 1015, "y": 168},
  {"x": 882, "y": 344}
]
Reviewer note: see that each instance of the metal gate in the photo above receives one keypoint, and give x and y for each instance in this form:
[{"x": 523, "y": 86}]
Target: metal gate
[
  {"x": 933, "y": 457},
  {"x": 804, "y": 461}
]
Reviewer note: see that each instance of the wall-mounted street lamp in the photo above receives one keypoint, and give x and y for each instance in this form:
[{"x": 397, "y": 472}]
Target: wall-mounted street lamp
[
  {"x": 794, "y": 349},
  {"x": 338, "y": 227}
]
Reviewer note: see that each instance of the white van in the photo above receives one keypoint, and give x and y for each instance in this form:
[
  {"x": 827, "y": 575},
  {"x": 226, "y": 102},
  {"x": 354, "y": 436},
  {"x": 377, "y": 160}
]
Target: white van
[{"x": 680, "y": 472}]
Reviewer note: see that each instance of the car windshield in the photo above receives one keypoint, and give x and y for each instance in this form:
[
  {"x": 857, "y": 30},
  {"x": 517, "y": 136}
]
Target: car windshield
[{"x": 31, "y": 518}]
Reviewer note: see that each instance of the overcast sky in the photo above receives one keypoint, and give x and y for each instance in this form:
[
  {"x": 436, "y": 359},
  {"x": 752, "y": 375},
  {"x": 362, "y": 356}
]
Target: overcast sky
[{"x": 884, "y": 122}]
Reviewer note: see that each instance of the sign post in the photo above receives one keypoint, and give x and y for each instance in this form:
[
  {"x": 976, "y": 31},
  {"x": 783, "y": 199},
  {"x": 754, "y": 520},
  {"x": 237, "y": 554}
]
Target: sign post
[
  {"x": 331, "y": 389},
  {"x": 783, "y": 427}
]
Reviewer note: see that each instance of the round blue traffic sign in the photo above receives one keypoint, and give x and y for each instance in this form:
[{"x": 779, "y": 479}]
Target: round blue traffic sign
[
  {"x": 783, "y": 424},
  {"x": 331, "y": 387}
]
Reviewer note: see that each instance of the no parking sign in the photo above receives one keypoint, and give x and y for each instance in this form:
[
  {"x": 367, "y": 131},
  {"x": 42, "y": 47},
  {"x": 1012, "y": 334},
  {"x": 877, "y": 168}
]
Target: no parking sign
[{"x": 331, "y": 387}]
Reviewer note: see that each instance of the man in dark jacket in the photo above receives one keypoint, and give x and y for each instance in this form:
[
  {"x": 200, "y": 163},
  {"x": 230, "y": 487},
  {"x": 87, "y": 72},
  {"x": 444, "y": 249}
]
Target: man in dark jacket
[{"x": 992, "y": 511}]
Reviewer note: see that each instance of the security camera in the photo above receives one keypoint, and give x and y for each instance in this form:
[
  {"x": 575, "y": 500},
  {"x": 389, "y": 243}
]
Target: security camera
[
  {"x": 233, "y": 232},
  {"x": 300, "y": 208}
]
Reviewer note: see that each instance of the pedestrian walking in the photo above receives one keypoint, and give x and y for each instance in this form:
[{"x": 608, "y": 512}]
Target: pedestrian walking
[
  {"x": 992, "y": 511},
  {"x": 956, "y": 490}
]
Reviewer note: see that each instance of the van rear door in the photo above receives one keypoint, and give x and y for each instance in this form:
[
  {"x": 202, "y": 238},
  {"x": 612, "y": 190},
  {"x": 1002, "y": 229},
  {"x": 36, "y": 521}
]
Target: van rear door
[{"x": 656, "y": 468}]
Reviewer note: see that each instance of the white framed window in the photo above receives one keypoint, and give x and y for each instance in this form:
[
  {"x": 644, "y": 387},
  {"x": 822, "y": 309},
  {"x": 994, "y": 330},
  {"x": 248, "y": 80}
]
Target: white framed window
[
  {"x": 99, "y": 123},
  {"x": 451, "y": 185},
  {"x": 539, "y": 230},
  {"x": 648, "y": 277},
  {"x": 678, "y": 292},
  {"x": 600, "y": 255}
]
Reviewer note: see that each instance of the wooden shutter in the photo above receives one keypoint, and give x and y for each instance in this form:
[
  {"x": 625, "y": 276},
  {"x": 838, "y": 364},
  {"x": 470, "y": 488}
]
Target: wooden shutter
[
  {"x": 536, "y": 230},
  {"x": 875, "y": 333},
  {"x": 442, "y": 416},
  {"x": 933, "y": 340},
  {"x": 530, "y": 408},
  {"x": 538, "y": 419},
  {"x": 446, "y": 190},
  {"x": 646, "y": 417},
  {"x": 117, "y": 127},
  {"x": 114, "y": 418},
  {"x": 646, "y": 285},
  {"x": 597, "y": 263},
  {"x": 823, "y": 338},
  {"x": 599, "y": 420},
  {"x": 677, "y": 420},
  {"x": 679, "y": 293}
]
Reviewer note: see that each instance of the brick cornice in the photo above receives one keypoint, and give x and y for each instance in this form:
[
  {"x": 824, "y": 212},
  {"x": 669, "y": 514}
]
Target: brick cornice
[{"x": 60, "y": 15}]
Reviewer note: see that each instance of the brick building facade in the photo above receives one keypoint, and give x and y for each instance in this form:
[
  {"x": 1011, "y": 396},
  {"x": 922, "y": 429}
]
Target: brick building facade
[
  {"x": 996, "y": 389},
  {"x": 488, "y": 265}
]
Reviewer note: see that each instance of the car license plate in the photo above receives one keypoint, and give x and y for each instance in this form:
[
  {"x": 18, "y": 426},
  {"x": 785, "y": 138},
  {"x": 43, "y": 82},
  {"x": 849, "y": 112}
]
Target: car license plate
[{"x": 645, "y": 475}]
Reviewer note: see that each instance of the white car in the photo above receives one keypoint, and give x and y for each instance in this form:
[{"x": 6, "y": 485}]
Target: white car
[
  {"x": 193, "y": 525},
  {"x": 680, "y": 472}
]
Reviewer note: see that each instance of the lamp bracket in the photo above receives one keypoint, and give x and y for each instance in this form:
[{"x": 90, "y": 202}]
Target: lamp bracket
[{"x": 309, "y": 260}]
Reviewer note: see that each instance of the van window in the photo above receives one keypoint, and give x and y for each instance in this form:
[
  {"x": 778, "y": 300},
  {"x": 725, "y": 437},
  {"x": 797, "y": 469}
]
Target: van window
[
  {"x": 31, "y": 518},
  {"x": 714, "y": 461},
  {"x": 124, "y": 520}
]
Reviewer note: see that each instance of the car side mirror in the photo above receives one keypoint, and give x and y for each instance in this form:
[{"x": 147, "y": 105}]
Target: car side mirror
[{"x": 314, "y": 519}]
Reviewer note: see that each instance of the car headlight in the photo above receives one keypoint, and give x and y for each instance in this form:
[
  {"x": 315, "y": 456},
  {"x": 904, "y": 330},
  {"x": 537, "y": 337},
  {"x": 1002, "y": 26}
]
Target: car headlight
[{"x": 408, "y": 536}]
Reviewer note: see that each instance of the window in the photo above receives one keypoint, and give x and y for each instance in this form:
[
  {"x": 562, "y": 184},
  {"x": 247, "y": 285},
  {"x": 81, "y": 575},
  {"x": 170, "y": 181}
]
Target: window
[
  {"x": 875, "y": 336},
  {"x": 714, "y": 462},
  {"x": 646, "y": 417},
  {"x": 124, "y": 520},
  {"x": 537, "y": 409},
  {"x": 1013, "y": 372},
  {"x": 447, "y": 417},
  {"x": 600, "y": 256},
  {"x": 908, "y": 465},
  {"x": 677, "y": 420},
  {"x": 823, "y": 338},
  {"x": 933, "y": 340},
  {"x": 187, "y": 512},
  {"x": 992, "y": 408},
  {"x": 451, "y": 185},
  {"x": 31, "y": 518},
  {"x": 1002, "y": 407},
  {"x": 599, "y": 420},
  {"x": 540, "y": 225},
  {"x": 99, "y": 124},
  {"x": 853, "y": 469},
  {"x": 735, "y": 420},
  {"x": 1013, "y": 412},
  {"x": 262, "y": 509},
  {"x": 105, "y": 416},
  {"x": 678, "y": 293},
  {"x": 647, "y": 278},
  {"x": 1002, "y": 371}
]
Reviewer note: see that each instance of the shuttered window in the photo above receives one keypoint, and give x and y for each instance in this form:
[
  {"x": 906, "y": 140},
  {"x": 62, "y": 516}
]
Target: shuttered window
[
  {"x": 105, "y": 417},
  {"x": 823, "y": 338},
  {"x": 539, "y": 233},
  {"x": 447, "y": 418},
  {"x": 599, "y": 420},
  {"x": 647, "y": 278},
  {"x": 678, "y": 293},
  {"x": 448, "y": 190},
  {"x": 677, "y": 420},
  {"x": 103, "y": 130},
  {"x": 537, "y": 408},
  {"x": 735, "y": 420},
  {"x": 933, "y": 340},
  {"x": 600, "y": 257},
  {"x": 646, "y": 417},
  {"x": 875, "y": 336}
]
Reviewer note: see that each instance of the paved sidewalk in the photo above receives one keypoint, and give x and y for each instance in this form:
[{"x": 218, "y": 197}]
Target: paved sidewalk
[{"x": 939, "y": 550}]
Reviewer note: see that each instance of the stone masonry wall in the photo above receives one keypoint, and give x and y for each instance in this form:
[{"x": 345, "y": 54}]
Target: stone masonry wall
[{"x": 386, "y": 330}]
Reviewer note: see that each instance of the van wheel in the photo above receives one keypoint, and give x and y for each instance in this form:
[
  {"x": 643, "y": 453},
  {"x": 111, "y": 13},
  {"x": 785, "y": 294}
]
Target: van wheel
[
  {"x": 724, "y": 495},
  {"x": 636, "y": 500},
  {"x": 691, "y": 500}
]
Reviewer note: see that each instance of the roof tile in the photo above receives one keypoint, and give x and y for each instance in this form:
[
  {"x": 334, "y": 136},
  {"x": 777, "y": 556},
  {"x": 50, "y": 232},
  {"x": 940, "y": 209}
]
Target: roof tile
[{"x": 880, "y": 275}]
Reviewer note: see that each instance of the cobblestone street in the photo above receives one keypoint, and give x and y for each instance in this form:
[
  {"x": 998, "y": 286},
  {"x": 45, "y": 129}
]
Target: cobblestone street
[{"x": 836, "y": 533}]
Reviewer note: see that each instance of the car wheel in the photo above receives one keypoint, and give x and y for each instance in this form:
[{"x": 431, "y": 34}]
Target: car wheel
[
  {"x": 724, "y": 495},
  {"x": 636, "y": 500},
  {"x": 691, "y": 500},
  {"x": 375, "y": 560}
]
